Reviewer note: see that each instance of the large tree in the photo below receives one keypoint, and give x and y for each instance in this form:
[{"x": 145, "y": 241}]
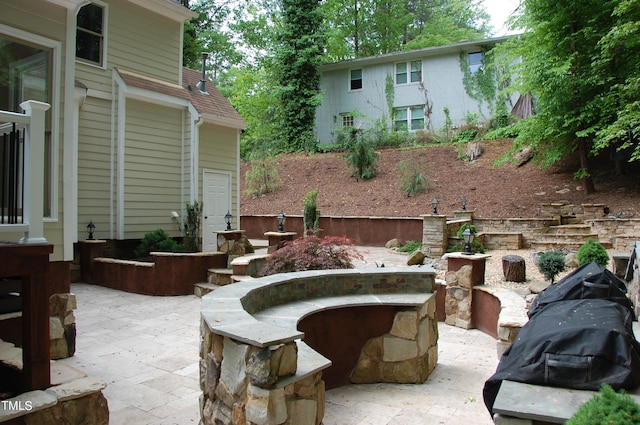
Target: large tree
[
  {"x": 558, "y": 67},
  {"x": 298, "y": 56}
]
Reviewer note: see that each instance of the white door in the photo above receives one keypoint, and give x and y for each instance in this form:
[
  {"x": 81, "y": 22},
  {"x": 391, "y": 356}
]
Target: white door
[{"x": 216, "y": 203}]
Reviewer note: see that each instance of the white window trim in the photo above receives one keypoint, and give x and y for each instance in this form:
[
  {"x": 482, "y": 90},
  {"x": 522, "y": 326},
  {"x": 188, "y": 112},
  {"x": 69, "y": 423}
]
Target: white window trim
[
  {"x": 408, "y": 64},
  {"x": 105, "y": 38},
  {"x": 56, "y": 58},
  {"x": 361, "y": 79}
]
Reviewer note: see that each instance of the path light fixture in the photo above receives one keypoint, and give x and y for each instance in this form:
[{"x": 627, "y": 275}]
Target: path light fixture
[
  {"x": 227, "y": 219},
  {"x": 468, "y": 236},
  {"x": 464, "y": 203},
  {"x": 91, "y": 228},
  {"x": 281, "y": 220},
  {"x": 434, "y": 204}
]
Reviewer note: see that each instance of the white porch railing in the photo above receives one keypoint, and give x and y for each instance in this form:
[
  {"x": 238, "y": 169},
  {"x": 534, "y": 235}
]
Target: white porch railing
[{"x": 25, "y": 189}]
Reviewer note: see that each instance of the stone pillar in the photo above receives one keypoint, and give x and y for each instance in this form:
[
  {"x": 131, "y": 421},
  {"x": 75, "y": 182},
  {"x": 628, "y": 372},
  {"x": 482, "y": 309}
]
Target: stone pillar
[
  {"x": 89, "y": 249},
  {"x": 434, "y": 235},
  {"x": 277, "y": 239},
  {"x": 463, "y": 273},
  {"x": 228, "y": 236},
  {"x": 463, "y": 214},
  {"x": 62, "y": 325}
]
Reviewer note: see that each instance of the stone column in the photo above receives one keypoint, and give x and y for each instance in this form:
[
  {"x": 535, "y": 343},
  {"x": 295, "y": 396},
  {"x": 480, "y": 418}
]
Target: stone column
[
  {"x": 434, "y": 235},
  {"x": 463, "y": 273},
  {"x": 277, "y": 239}
]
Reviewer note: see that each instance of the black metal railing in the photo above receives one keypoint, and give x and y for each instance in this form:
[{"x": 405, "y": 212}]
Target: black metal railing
[{"x": 11, "y": 174}]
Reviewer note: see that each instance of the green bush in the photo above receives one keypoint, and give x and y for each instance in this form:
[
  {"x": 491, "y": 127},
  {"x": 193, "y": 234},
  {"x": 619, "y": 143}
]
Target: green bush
[
  {"x": 157, "y": 241},
  {"x": 191, "y": 226},
  {"x": 593, "y": 250},
  {"x": 607, "y": 407},
  {"x": 550, "y": 264},
  {"x": 311, "y": 215},
  {"x": 476, "y": 245},
  {"x": 413, "y": 175},
  {"x": 262, "y": 176},
  {"x": 361, "y": 157},
  {"x": 410, "y": 247}
]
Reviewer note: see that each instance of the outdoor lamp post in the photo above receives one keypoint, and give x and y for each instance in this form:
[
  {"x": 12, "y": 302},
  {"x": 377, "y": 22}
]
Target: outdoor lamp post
[
  {"x": 468, "y": 236},
  {"x": 227, "y": 218},
  {"x": 281, "y": 220},
  {"x": 434, "y": 204},
  {"x": 91, "y": 228},
  {"x": 464, "y": 203}
]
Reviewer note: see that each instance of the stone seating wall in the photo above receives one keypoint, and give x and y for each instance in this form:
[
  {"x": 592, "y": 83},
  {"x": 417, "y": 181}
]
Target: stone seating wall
[{"x": 255, "y": 367}]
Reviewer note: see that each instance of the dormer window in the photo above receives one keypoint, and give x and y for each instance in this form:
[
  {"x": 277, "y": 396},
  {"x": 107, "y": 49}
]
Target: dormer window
[{"x": 90, "y": 34}]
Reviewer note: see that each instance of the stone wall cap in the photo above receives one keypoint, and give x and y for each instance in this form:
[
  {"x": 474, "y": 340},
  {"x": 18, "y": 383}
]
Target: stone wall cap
[
  {"x": 77, "y": 388},
  {"x": 472, "y": 257},
  {"x": 38, "y": 400}
]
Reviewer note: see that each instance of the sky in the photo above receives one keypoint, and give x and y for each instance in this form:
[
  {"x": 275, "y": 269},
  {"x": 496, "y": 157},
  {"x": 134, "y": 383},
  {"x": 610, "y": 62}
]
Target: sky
[{"x": 500, "y": 11}]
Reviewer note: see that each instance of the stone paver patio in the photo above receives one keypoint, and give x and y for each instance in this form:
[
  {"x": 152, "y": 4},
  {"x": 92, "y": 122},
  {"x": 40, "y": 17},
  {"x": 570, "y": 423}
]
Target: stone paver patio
[{"x": 146, "y": 350}]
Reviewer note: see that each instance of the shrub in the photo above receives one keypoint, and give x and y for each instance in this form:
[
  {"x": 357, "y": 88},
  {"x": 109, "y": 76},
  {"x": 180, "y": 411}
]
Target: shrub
[
  {"x": 191, "y": 226},
  {"x": 413, "y": 176},
  {"x": 607, "y": 407},
  {"x": 311, "y": 215},
  {"x": 262, "y": 177},
  {"x": 410, "y": 247},
  {"x": 312, "y": 253},
  {"x": 476, "y": 245},
  {"x": 550, "y": 264},
  {"x": 157, "y": 241},
  {"x": 593, "y": 250},
  {"x": 361, "y": 157}
]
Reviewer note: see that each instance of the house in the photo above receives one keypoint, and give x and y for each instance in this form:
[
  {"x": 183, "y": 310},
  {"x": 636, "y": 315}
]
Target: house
[
  {"x": 130, "y": 137},
  {"x": 418, "y": 90}
]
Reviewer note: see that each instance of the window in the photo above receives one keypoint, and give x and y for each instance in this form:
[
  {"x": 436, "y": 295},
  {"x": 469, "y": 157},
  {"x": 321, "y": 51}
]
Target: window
[
  {"x": 28, "y": 75},
  {"x": 410, "y": 118},
  {"x": 355, "y": 82},
  {"x": 346, "y": 120},
  {"x": 90, "y": 33},
  {"x": 408, "y": 71},
  {"x": 475, "y": 61}
]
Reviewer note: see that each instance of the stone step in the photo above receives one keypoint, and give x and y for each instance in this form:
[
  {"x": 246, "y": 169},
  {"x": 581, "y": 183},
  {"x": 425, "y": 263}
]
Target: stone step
[
  {"x": 219, "y": 276},
  {"x": 202, "y": 289},
  {"x": 241, "y": 278},
  {"x": 575, "y": 229}
]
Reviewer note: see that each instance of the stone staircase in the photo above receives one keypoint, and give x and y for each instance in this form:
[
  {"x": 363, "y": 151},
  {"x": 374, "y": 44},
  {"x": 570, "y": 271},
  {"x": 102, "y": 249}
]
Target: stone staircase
[
  {"x": 566, "y": 236},
  {"x": 240, "y": 268}
]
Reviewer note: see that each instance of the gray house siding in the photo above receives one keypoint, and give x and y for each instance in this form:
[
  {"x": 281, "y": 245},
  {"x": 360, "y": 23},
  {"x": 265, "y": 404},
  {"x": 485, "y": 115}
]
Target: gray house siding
[{"x": 441, "y": 86}]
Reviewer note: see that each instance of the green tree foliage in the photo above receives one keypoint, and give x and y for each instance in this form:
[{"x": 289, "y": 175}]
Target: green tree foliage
[
  {"x": 191, "y": 226},
  {"x": 358, "y": 28},
  {"x": 550, "y": 264},
  {"x": 579, "y": 60},
  {"x": 592, "y": 250},
  {"x": 607, "y": 407},
  {"x": 298, "y": 57}
]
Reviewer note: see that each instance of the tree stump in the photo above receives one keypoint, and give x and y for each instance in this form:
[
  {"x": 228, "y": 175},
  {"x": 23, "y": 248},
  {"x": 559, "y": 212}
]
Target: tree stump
[{"x": 514, "y": 268}]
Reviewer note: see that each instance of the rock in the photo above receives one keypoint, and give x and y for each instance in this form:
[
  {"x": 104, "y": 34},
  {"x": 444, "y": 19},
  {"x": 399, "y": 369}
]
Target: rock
[
  {"x": 393, "y": 243},
  {"x": 259, "y": 368},
  {"x": 416, "y": 258},
  {"x": 538, "y": 286},
  {"x": 405, "y": 325},
  {"x": 451, "y": 278},
  {"x": 266, "y": 407},
  {"x": 398, "y": 349},
  {"x": 524, "y": 156},
  {"x": 464, "y": 276},
  {"x": 571, "y": 260}
]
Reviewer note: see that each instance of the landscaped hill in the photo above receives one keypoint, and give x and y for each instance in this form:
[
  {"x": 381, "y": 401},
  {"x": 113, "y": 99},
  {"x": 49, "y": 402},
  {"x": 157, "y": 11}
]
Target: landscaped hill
[{"x": 505, "y": 191}]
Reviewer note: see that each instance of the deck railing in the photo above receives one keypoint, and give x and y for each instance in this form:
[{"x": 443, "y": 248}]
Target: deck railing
[{"x": 22, "y": 156}]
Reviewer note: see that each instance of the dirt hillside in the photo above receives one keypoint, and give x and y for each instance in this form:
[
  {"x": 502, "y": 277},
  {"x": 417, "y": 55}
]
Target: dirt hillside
[{"x": 505, "y": 191}]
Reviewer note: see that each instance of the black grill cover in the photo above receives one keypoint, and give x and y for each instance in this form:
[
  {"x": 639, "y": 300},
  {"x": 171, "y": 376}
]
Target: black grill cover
[
  {"x": 588, "y": 281},
  {"x": 578, "y": 344}
]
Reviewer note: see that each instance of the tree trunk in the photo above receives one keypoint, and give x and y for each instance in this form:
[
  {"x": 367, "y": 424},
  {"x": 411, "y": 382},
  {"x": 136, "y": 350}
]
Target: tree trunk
[
  {"x": 514, "y": 268},
  {"x": 583, "y": 152}
]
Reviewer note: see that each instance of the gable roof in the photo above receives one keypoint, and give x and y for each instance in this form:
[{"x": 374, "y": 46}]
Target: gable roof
[
  {"x": 212, "y": 106},
  {"x": 407, "y": 55}
]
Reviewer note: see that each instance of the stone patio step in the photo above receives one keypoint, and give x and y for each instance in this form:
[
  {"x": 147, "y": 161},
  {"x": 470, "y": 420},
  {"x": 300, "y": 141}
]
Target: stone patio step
[
  {"x": 219, "y": 276},
  {"x": 202, "y": 289}
]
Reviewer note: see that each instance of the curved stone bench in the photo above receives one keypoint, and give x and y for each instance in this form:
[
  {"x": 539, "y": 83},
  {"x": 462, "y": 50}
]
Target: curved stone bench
[{"x": 255, "y": 366}]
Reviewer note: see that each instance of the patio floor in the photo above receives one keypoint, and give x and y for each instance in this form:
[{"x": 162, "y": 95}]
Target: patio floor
[{"x": 146, "y": 350}]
